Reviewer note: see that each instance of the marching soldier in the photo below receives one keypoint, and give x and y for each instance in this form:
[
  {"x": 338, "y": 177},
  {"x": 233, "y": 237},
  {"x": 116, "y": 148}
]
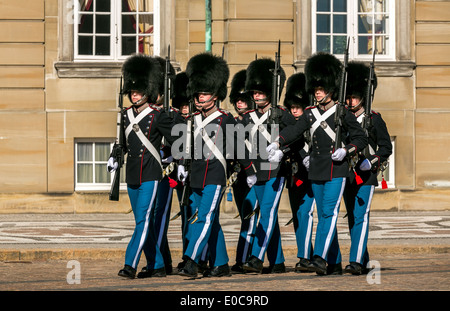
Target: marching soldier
[
  {"x": 144, "y": 128},
  {"x": 244, "y": 198},
  {"x": 328, "y": 168},
  {"x": 298, "y": 184},
  {"x": 208, "y": 76},
  {"x": 270, "y": 179},
  {"x": 359, "y": 191},
  {"x": 180, "y": 101}
]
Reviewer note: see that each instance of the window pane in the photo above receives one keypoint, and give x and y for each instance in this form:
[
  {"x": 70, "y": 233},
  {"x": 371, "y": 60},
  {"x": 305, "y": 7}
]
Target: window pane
[
  {"x": 380, "y": 24},
  {"x": 145, "y": 5},
  {"x": 84, "y": 173},
  {"x": 86, "y": 5},
  {"x": 340, "y": 24},
  {"x": 85, "y": 45},
  {"x": 102, "y": 45},
  {"x": 365, "y": 24},
  {"x": 128, "y": 24},
  {"x": 365, "y": 5},
  {"x": 84, "y": 152},
  {"x": 101, "y": 174},
  {"x": 340, "y": 5},
  {"x": 339, "y": 44},
  {"x": 103, "y": 24},
  {"x": 103, "y": 5},
  {"x": 323, "y": 5},
  {"x": 146, "y": 45},
  {"x": 323, "y": 23},
  {"x": 323, "y": 44},
  {"x": 86, "y": 24},
  {"x": 128, "y": 45},
  {"x": 102, "y": 151}
]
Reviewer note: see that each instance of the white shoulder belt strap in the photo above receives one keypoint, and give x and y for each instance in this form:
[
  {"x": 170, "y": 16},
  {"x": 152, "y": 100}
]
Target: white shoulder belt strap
[{"x": 134, "y": 126}]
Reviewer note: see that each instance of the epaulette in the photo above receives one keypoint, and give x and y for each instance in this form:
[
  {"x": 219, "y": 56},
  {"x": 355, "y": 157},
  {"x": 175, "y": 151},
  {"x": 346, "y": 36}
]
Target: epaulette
[
  {"x": 156, "y": 107},
  {"x": 174, "y": 109},
  {"x": 310, "y": 107},
  {"x": 248, "y": 111},
  {"x": 375, "y": 112},
  {"x": 226, "y": 112},
  {"x": 282, "y": 108}
]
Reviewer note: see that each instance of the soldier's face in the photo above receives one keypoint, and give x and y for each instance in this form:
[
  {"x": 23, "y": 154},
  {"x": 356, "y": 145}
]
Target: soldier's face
[
  {"x": 184, "y": 109},
  {"x": 136, "y": 95},
  {"x": 296, "y": 111},
  {"x": 260, "y": 98},
  {"x": 240, "y": 104},
  {"x": 204, "y": 100},
  {"x": 319, "y": 93}
]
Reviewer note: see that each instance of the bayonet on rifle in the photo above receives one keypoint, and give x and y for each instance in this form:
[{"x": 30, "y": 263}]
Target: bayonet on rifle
[{"x": 341, "y": 101}]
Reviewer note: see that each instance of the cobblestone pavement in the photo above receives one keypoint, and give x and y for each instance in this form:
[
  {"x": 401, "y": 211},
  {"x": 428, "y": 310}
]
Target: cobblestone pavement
[{"x": 409, "y": 252}]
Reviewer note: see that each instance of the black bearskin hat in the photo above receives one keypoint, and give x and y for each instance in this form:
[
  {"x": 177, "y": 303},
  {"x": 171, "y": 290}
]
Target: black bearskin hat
[
  {"x": 162, "y": 63},
  {"x": 323, "y": 70},
  {"x": 207, "y": 73},
  {"x": 295, "y": 91},
  {"x": 260, "y": 76},
  {"x": 358, "y": 79},
  {"x": 142, "y": 73},
  {"x": 238, "y": 88},
  {"x": 179, "y": 90}
]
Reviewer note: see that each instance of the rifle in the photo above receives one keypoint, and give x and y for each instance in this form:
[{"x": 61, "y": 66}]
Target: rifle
[
  {"x": 118, "y": 153},
  {"x": 275, "y": 114},
  {"x": 341, "y": 101},
  {"x": 367, "y": 120},
  {"x": 167, "y": 85},
  {"x": 188, "y": 154}
]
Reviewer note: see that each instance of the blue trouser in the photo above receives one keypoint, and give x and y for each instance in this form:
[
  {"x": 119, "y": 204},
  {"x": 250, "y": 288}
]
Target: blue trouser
[
  {"x": 161, "y": 217},
  {"x": 302, "y": 205},
  {"x": 206, "y": 231},
  {"x": 248, "y": 226},
  {"x": 358, "y": 200},
  {"x": 268, "y": 235},
  {"x": 328, "y": 195},
  {"x": 142, "y": 199}
]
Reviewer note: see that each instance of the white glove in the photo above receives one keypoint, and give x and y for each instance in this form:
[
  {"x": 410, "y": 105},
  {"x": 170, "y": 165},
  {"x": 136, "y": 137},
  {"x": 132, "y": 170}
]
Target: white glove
[
  {"x": 251, "y": 180},
  {"x": 112, "y": 165},
  {"x": 306, "y": 163},
  {"x": 276, "y": 156},
  {"x": 272, "y": 148},
  {"x": 339, "y": 154},
  {"x": 182, "y": 173},
  {"x": 365, "y": 165}
]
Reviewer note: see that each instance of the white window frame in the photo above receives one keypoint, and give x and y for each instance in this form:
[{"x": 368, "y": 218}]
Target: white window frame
[
  {"x": 116, "y": 38},
  {"x": 352, "y": 32},
  {"x": 94, "y": 186}
]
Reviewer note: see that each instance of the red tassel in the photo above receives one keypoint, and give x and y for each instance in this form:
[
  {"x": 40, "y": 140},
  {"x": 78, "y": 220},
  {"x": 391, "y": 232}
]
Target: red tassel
[
  {"x": 172, "y": 183},
  {"x": 359, "y": 181},
  {"x": 298, "y": 182},
  {"x": 384, "y": 184}
]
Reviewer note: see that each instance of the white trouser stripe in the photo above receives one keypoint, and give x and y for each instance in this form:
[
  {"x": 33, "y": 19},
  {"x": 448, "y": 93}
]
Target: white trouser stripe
[
  {"x": 163, "y": 220},
  {"x": 333, "y": 221},
  {"x": 364, "y": 227},
  {"x": 144, "y": 232},
  {"x": 308, "y": 232},
  {"x": 207, "y": 221},
  {"x": 251, "y": 225},
  {"x": 271, "y": 219}
]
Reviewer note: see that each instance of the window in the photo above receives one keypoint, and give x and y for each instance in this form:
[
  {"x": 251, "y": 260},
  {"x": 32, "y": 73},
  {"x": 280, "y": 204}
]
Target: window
[
  {"x": 91, "y": 158},
  {"x": 114, "y": 29},
  {"x": 368, "y": 23}
]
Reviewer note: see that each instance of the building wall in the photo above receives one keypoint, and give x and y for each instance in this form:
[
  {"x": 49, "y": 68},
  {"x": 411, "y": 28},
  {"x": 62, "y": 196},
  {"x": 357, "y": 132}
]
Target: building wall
[{"x": 46, "y": 102}]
